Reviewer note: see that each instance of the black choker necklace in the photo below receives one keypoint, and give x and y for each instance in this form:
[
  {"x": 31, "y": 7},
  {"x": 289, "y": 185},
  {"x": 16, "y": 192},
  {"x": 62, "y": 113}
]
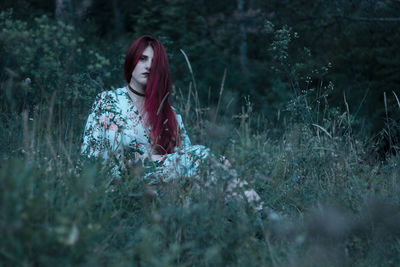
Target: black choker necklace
[{"x": 135, "y": 92}]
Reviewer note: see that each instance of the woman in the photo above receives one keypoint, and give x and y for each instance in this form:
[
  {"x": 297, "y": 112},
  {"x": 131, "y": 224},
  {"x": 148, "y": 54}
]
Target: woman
[{"x": 137, "y": 122}]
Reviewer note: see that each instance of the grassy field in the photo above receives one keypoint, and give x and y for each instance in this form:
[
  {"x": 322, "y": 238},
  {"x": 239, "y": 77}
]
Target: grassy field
[{"x": 327, "y": 201}]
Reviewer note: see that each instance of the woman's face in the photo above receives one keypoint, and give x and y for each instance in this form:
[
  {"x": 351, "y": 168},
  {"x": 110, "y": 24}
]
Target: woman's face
[{"x": 141, "y": 71}]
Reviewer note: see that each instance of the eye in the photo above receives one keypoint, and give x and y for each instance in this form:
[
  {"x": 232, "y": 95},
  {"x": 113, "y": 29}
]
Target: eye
[{"x": 142, "y": 58}]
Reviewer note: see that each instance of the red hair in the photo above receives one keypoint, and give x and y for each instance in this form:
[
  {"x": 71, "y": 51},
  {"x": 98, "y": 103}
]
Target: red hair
[{"x": 160, "y": 116}]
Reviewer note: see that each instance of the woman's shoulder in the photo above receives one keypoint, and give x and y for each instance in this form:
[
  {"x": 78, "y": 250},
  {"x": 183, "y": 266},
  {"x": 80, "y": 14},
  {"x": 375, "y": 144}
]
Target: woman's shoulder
[
  {"x": 178, "y": 116},
  {"x": 113, "y": 93},
  {"x": 176, "y": 111},
  {"x": 109, "y": 99}
]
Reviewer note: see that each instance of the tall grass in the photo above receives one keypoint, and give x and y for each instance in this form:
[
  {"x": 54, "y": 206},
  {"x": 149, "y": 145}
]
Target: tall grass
[{"x": 326, "y": 202}]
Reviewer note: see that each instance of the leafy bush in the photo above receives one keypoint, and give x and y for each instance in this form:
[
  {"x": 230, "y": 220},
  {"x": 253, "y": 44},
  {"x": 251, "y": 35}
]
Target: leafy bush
[
  {"x": 50, "y": 74},
  {"x": 46, "y": 59}
]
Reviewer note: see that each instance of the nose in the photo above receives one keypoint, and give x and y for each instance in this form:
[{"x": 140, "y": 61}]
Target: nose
[{"x": 148, "y": 65}]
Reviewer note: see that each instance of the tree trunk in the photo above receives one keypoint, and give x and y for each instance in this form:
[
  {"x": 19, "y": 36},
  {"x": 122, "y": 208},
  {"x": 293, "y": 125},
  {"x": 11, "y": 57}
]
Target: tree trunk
[
  {"x": 118, "y": 24},
  {"x": 59, "y": 8},
  {"x": 243, "y": 39},
  {"x": 62, "y": 10}
]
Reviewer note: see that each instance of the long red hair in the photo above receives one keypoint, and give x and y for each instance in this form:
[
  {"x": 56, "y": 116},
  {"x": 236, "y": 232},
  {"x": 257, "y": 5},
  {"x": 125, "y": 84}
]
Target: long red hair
[{"x": 159, "y": 114}]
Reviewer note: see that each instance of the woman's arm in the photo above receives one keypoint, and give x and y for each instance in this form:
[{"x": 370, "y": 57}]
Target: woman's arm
[
  {"x": 95, "y": 142},
  {"x": 184, "y": 136}
]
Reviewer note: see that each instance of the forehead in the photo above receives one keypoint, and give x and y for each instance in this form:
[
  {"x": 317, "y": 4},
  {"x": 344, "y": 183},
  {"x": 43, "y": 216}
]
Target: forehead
[{"x": 149, "y": 52}]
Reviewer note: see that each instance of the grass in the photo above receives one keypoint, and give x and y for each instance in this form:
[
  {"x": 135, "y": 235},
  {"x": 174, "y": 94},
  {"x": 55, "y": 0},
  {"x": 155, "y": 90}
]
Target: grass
[{"x": 326, "y": 202}]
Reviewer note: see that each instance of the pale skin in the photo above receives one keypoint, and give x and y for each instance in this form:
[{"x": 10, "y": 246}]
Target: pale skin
[{"x": 140, "y": 75}]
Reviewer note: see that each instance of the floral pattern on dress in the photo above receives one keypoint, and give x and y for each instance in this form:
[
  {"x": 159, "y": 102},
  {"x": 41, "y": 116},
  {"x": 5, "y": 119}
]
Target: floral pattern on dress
[{"x": 116, "y": 132}]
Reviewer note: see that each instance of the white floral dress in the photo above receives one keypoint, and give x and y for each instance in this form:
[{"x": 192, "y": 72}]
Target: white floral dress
[{"x": 116, "y": 133}]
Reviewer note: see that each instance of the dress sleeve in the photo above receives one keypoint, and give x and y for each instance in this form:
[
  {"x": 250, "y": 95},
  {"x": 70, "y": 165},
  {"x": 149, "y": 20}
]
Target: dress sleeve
[
  {"x": 95, "y": 143},
  {"x": 185, "y": 137}
]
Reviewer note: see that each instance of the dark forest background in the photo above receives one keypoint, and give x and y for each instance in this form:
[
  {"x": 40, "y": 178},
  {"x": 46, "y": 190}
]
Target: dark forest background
[{"x": 352, "y": 44}]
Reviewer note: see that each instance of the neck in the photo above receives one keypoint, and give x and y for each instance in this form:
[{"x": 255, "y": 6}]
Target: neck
[
  {"x": 142, "y": 95},
  {"x": 137, "y": 87}
]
